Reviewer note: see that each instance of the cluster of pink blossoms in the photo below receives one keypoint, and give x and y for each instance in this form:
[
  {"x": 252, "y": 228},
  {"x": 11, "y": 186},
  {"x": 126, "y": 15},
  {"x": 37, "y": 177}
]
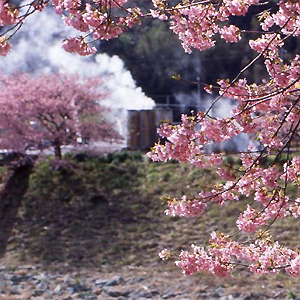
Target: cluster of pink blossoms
[
  {"x": 223, "y": 254},
  {"x": 269, "y": 113},
  {"x": 185, "y": 208},
  {"x": 196, "y": 25},
  {"x": 4, "y": 46},
  {"x": 8, "y": 15},
  {"x": 265, "y": 255},
  {"x": 97, "y": 20},
  {"x": 230, "y": 33},
  {"x": 78, "y": 45}
]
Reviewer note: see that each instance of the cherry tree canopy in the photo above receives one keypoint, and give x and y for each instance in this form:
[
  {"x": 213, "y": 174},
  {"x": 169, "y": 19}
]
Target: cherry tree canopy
[
  {"x": 268, "y": 111},
  {"x": 50, "y": 111}
]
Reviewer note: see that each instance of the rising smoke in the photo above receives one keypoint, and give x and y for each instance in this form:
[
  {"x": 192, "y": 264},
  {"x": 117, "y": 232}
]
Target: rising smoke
[{"x": 37, "y": 50}]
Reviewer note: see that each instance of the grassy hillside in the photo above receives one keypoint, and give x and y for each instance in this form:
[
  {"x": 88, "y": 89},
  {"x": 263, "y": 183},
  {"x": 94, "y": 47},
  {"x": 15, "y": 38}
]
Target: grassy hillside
[{"x": 105, "y": 212}]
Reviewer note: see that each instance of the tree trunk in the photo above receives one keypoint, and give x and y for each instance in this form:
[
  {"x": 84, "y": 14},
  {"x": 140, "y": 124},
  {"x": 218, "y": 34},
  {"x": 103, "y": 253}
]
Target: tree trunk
[{"x": 57, "y": 150}]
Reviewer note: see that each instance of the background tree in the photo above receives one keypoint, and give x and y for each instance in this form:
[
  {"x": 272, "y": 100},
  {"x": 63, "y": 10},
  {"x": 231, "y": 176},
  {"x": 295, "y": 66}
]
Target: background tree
[{"x": 51, "y": 111}]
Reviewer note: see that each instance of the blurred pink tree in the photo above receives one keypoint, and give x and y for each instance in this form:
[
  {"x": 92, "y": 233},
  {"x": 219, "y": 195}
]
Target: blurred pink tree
[{"x": 51, "y": 111}]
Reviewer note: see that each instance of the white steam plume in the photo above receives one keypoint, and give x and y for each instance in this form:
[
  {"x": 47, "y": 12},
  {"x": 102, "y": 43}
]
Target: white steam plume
[{"x": 37, "y": 49}]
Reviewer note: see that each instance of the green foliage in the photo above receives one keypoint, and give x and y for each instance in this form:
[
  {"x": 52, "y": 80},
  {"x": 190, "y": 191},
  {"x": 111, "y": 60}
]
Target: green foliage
[
  {"x": 47, "y": 182},
  {"x": 291, "y": 295},
  {"x": 115, "y": 157},
  {"x": 3, "y": 173},
  {"x": 166, "y": 176},
  {"x": 231, "y": 160},
  {"x": 122, "y": 156},
  {"x": 195, "y": 174},
  {"x": 83, "y": 176},
  {"x": 281, "y": 159}
]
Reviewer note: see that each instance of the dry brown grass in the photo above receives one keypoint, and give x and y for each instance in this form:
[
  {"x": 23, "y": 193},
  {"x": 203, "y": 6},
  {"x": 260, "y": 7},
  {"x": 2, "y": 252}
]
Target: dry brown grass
[{"x": 125, "y": 227}]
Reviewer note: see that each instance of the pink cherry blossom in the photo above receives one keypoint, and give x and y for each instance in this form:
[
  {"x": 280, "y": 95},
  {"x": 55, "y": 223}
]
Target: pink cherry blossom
[
  {"x": 8, "y": 15},
  {"x": 4, "y": 46},
  {"x": 251, "y": 220},
  {"x": 78, "y": 45},
  {"x": 230, "y": 33},
  {"x": 185, "y": 207}
]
